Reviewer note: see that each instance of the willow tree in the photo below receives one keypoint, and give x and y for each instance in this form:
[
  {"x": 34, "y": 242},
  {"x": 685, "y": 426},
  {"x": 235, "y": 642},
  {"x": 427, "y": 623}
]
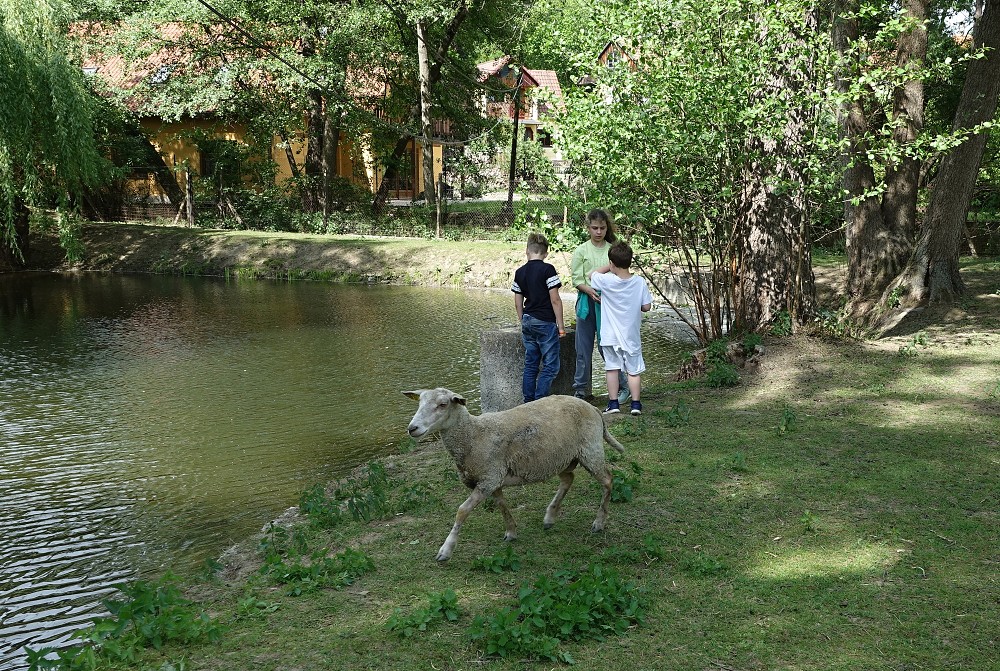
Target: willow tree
[{"x": 48, "y": 154}]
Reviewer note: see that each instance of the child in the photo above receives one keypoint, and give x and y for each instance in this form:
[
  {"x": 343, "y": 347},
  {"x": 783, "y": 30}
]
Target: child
[
  {"x": 587, "y": 257},
  {"x": 539, "y": 309},
  {"x": 624, "y": 297}
]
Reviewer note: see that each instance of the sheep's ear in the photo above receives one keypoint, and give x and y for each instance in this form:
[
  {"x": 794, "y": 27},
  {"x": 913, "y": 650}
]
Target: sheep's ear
[
  {"x": 458, "y": 399},
  {"x": 415, "y": 395}
]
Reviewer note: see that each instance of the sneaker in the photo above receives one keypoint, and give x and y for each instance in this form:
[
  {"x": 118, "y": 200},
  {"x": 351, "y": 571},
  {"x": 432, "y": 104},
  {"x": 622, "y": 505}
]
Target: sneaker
[
  {"x": 636, "y": 408},
  {"x": 624, "y": 396},
  {"x": 580, "y": 394},
  {"x": 612, "y": 407}
]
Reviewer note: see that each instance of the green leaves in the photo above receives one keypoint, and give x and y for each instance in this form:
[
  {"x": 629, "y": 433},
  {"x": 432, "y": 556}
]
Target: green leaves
[
  {"x": 149, "y": 614},
  {"x": 567, "y": 605}
]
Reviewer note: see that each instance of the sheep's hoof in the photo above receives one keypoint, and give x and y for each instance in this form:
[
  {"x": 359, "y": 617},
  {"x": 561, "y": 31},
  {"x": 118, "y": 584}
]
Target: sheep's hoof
[
  {"x": 510, "y": 536},
  {"x": 596, "y": 528},
  {"x": 548, "y": 525},
  {"x": 443, "y": 557}
]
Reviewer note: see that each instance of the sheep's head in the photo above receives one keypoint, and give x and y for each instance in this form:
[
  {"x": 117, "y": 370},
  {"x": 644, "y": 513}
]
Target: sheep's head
[{"x": 435, "y": 411}]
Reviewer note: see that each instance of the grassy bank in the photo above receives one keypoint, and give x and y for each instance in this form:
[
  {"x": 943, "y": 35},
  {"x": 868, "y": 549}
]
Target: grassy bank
[
  {"x": 118, "y": 247},
  {"x": 835, "y": 510}
]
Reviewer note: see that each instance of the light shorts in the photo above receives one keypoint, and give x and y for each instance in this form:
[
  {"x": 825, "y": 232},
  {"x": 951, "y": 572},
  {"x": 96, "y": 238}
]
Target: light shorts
[{"x": 615, "y": 358}]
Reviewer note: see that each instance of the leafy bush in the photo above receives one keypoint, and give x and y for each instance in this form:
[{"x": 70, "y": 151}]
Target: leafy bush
[
  {"x": 723, "y": 374},
  {"x": 782, "y": 325},
  {"x": 567, "y": 606}
]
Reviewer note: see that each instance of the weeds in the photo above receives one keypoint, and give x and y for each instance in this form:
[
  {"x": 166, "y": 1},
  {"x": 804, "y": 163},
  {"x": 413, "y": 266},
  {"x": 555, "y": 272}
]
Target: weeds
[
  {"x": 567, "y": 606},
  {"x": 364, "y": 500},
  {"x": 678, "y": 415},
  {"x": 441, "y": 606},
  {"x": 782, "y": 325},
  {"x": 302, "y": 575},
  {"x": 786, "y": 423},
  {"x": 702, "y": 565},
  {"x": 505, "y": 560},
  {"x": 911, "y": 348},
  {"x": 623, "y": 484},
  {"x": 151, "y": 614},
  {"x": 738, "y": 463}
]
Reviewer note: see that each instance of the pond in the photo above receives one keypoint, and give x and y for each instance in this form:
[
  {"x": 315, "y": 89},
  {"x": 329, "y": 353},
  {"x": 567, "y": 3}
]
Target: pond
[{"x": 147, "y": 422}]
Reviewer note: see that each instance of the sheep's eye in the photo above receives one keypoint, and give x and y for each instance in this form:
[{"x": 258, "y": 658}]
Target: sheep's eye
[{"x": 442, "y": 405}]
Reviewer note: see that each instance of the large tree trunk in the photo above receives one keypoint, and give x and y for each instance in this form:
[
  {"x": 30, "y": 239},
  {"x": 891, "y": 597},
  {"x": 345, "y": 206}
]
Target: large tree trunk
[
  {"x": 14, "y": 246},
  {"x": 932, "y": 276},
  {"x": 880, "y": 231},
  {"x": 774, "y": 268},
  {"x": 899, "y": 203}
]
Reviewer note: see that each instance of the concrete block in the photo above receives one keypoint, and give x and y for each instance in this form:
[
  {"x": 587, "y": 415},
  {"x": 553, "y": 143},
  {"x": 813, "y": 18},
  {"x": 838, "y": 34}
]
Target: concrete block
[{"x": 501, "y": 367}]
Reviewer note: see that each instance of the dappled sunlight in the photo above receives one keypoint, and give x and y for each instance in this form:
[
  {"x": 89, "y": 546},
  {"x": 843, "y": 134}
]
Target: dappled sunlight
[{"x": 859, "y": 558}]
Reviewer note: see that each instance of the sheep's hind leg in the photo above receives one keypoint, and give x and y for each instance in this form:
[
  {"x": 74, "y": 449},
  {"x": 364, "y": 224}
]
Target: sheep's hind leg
[
  {"x": 602, "y": 513},
  {"x": 552, "y": 512},
  {"x": 508, "y": 519},
  {"x": 448, "y": 547}
]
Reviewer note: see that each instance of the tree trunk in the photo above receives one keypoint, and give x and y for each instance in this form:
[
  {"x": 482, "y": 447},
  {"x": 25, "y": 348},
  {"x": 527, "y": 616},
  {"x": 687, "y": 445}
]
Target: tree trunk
[
  {"x": 313, "y": 169},
  {"x": 426, "y": 121},
  {"x": 391, "y": 171},
  {"x": 14, "y": 246},
  {"x": 880, "y": 232},
  {"x": 899, "y": 203},
  {"x": 774, "y": 266},
  {"x": 932, "y": 273},
  {"x": 331, "y": 150}
]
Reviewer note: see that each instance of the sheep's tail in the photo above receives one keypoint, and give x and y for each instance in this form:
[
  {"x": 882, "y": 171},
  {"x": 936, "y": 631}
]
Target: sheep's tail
[{"x": 611, "y": 440}]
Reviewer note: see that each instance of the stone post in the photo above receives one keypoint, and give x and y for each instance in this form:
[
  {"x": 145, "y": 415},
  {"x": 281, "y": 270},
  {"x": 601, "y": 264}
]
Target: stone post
[{"x": 501, "y": 367}]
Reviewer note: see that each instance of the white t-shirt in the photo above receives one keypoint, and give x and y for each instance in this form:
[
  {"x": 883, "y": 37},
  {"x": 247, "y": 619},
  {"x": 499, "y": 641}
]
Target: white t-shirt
[{"x": 621, "y": 302}]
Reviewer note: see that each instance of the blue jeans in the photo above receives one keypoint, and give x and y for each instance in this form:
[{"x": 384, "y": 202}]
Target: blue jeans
[
  {"x": 586, "y": 336},
  {"x": 541, "y": 356}
]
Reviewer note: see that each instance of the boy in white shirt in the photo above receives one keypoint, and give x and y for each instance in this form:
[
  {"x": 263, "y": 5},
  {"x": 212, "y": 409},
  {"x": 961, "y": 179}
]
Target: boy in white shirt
[{"x": 624, "y": 297}]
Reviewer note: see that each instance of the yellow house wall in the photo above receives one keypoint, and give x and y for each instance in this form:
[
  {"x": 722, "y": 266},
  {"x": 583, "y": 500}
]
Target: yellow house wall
[{"x": 171, "y": 139}]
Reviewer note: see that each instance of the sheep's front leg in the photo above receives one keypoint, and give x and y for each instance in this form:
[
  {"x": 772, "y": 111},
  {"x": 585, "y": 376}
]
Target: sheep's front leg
[
  {"x": 552, "y": 512},
  {"x": 508, "y": 519},
  {"x": 474, "y": 500}
]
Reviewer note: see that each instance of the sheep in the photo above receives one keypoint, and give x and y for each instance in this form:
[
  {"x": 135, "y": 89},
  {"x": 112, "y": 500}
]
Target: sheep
[{"x": 528, "y": 443}]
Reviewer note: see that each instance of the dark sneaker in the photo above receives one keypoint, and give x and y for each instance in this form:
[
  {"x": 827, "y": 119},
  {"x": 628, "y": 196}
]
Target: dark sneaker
[
  {"x": 580, "y": 394},
  {"x": 636, "y": 408},
  {"x": 612, "y": 407}
]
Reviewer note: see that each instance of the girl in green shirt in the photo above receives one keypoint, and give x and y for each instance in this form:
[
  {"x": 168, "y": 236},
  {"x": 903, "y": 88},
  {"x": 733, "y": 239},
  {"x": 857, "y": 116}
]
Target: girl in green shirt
[{"x": 588, "y": 257}]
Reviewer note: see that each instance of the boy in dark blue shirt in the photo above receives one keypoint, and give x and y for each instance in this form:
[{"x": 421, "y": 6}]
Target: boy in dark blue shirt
[{"x": 539, "y": 309}]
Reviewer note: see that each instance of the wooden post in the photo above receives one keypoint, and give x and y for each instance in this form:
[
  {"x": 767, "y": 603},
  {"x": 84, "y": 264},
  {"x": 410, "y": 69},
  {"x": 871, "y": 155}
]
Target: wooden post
[
  {"x": 189, "y": 196},
  {"x": 509, "y": 207}
]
